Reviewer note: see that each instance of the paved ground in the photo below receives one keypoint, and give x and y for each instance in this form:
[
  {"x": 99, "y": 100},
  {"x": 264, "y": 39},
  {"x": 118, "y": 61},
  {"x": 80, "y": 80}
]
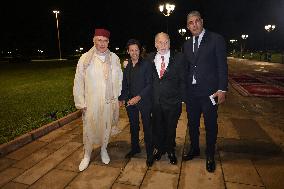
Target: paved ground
[{"x": 250, "y": 152}]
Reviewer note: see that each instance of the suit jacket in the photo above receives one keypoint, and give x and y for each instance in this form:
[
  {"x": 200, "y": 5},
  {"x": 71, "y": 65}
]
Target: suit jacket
[
  {"x": 169, "y": 90},
  {"x": 142, "y": 83},
  {"x": 209, "y": 65}
]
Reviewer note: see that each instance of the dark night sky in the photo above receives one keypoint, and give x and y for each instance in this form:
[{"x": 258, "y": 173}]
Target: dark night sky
[{"x": 31, "y": 24}]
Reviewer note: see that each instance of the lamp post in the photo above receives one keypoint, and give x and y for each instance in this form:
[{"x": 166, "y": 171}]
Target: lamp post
[
  {"x": 233, "y": 41},
  {"x": 268, "y": 28},
  {"x": 181, "y": 31},
  {"x": 58, "y": 36},
  {"x": 166, "y": 9},
  {"x": 244, "y": 37}
]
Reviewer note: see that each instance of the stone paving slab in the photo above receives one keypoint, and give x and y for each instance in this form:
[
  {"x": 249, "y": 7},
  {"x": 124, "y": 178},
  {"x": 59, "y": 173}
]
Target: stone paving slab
[
  {"x": 40, "y": 169},
  {"x": 96, "y": 176},
  {"x": 26, "y": 150},
  {"x": 72, "y": 125},
  {"x": 276, "y": 134},
  {"x": 271, "y": 171},
  {"x": 78, "y": 138},
  {"x": 230, "y": 185},
  {"x": 248, "y": 146},
  {"x": 133, "y": 172},
  {"x": 9, "y": 174},
  {"x": 53, "y": 135},
  {"x": 158, "y": 180},
  {"x": 55, "y": 179},
  {"x": 123, "y": 186},
  {"x": 34, "y": 158},
  {"x": 15, "y": 144},
  {"x": 6, "y": 162},
  {"x": 61, "y": 141},
  {"x": 164, "y": 165},
  {"x": 72, "y": 162},
  {"x": 116, "y": 153},
  {"x": 249, "y": 129},
  {"x": 239, "y": 169},
  {"x": 15, "y": 185},
  {"x": 226, "y": 129},
  {"x": 76, "y": 131},
  {"x": 194, "y": 175}
]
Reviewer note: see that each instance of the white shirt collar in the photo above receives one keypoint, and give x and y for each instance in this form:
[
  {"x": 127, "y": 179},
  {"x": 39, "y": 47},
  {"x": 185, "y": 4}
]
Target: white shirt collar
[
  {"x": 199, "y": 37},
  {"x": 166, "y": 57}
]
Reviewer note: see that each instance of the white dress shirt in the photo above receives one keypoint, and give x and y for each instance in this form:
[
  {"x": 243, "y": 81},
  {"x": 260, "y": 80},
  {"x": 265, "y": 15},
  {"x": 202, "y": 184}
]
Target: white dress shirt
[{"x": 158, "y": 61}]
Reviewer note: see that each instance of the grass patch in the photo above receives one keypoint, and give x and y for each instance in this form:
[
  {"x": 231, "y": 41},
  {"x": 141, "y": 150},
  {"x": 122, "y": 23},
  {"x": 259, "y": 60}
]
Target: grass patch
[
  {"x": 274, "y": 57},
  {"x": 33, "y": 94}
]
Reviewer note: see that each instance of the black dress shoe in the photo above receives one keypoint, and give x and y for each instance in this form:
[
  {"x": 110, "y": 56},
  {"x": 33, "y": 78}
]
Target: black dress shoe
[
  {"x": 210, "y": 164},
  {"x": 173, "y": 158},
  {"x": 149, "y": 161},
  {"x": 157, "y": 156},
  {"x": 132, "y": 153},
  {"x": 191, "y": 154}
]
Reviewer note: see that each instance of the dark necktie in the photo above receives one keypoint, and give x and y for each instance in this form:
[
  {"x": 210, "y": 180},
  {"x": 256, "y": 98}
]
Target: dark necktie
[{"x": 195, "y": 45}]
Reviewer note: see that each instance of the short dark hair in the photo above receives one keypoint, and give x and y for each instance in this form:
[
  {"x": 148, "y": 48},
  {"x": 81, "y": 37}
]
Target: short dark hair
[{"x": 133, "y": 42}]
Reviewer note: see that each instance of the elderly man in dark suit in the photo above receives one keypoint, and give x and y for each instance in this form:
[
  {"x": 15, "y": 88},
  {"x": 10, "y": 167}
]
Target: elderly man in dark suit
[
  {"x": 168, "y": 90},
  {"x": 207, "y": 82},
  {"x": 136, "y": 94}
]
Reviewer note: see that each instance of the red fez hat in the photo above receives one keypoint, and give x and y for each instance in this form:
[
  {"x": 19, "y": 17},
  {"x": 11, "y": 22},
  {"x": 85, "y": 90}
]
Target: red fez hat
[{"x": 102, "y": 32}]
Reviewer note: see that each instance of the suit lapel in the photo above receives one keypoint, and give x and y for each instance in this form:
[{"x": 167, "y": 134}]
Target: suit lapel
[
  {"x": 191, "y": 54},
  {"x": 202, "y": 44},
  {"x": 171, "y": 61},
  {"x": 156, "y": 76}
]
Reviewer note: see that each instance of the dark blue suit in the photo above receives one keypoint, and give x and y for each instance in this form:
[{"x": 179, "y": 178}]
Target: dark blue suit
[
  {"x": 134, "y": 84},
  {"x": 209, "y": 66}
]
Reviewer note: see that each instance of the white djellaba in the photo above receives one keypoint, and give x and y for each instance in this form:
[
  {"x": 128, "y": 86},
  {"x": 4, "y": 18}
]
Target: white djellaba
[{"x": 97, "y": 85}]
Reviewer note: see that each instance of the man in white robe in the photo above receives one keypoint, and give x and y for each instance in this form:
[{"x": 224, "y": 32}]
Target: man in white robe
[{"x": 97, "y": 85}]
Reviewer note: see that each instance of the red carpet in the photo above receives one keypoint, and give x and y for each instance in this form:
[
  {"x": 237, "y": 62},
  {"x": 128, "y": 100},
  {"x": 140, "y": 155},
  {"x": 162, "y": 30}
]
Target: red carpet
[
  {"x": 262, "y": 85},
  {"x": 244, "y": 79},
  {"x": 264, "y": 90}
]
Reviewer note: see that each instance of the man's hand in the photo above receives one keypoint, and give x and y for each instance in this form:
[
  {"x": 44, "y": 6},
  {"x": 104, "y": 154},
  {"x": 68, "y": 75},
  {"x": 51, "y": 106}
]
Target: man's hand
[
  {"x": 121, "y": 103},
  {"x": 221, "y": 96},
  {"x": 133, "y": 101},
  {"x": 125, "y": 62}
]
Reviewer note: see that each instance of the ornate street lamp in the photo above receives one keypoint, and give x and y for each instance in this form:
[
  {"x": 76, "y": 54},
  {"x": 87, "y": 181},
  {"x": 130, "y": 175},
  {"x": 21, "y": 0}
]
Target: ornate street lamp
[
  {"x": 58, "y": 36},
  {"x": 187, "y": 38},
  {"x": 166, "y": 9},
  {"x": 244, "y": 37},
  {"x": 233, "y": 46},
  {"x": 182, "y": 31},
  {"x": 269, "y": 27}
]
